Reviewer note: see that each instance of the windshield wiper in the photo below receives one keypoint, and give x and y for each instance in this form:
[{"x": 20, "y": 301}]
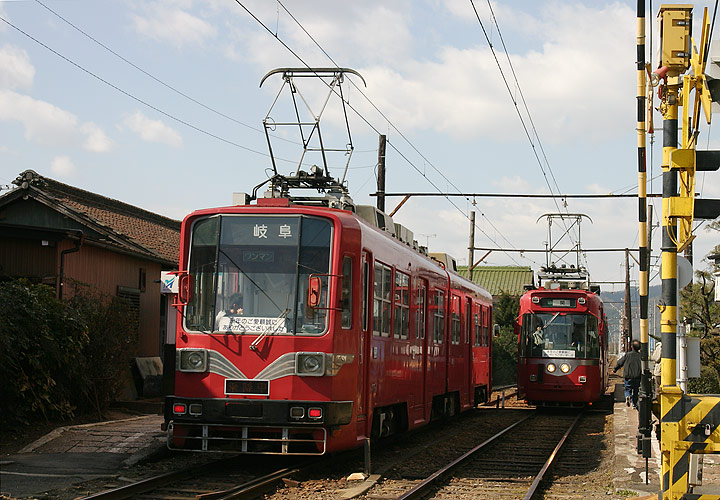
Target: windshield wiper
[
  {"x": 551, "y": 320},
  {"x": 278, "y": 323}
]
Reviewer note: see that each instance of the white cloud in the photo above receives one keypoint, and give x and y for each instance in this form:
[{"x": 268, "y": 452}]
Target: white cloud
[
  {"x": 16, "y": 71},
  {"x": 573, "y": 90},
  {"x": 63, "y": 166},
  {"x": 44, "y": 123},
  {"x": 152, "y": 130},
  {"x": 164, "y": 21},
  {"x": 96, "y": 140}
]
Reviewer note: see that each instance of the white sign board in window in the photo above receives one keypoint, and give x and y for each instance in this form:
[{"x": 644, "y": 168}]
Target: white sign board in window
[{"x": 242, "y": 324}]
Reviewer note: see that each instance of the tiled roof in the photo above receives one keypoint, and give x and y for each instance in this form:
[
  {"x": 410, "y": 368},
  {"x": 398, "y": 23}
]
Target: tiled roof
[
  {"x": 501, "y": 279},
  {"x": 139, "y": 230}
]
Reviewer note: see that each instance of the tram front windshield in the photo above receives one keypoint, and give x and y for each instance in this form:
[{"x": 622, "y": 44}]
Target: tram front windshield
[
  {"x": 250, "y": 274},
  {"x": 552, "y": 335}
]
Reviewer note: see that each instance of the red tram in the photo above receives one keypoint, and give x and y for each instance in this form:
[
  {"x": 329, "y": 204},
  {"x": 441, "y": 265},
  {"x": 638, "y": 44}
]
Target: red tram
[
  {"x": 305, "y": 329},
  {"x": 562, "y": 344}
]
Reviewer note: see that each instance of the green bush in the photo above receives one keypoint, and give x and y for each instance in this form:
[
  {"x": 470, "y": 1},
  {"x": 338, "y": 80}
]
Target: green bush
[
  {"x": 111, "y": 345},
  {"x": 58, "y": 357},
  {"x": 504, "y": 355},
  {"x": 40, "y": 340},
  {"x": 707, "y": 383}
]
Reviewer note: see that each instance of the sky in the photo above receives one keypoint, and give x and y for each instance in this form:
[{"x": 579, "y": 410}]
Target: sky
[{"x": 159, "y": 104}]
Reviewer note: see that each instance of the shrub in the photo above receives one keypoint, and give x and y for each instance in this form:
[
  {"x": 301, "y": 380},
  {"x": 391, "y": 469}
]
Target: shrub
[
  {"x": 706, "y": 384},
  {"x": 504, "y": 356},
  {"x": 110, "y": 346},
  {"x": 40, "y": 342},
  {"x": 58, "y": 357}
]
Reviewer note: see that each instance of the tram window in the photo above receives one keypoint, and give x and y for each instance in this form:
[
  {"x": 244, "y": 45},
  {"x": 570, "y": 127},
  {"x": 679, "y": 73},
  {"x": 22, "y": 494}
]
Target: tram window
[
  {"x": 346, "y": 293},
  {"x": 478, "y": 331},
  {"x": 455, "y": 315},
  {"x": 381, "y": 302},
  {"x": 593, "y": 338},
  {"x": 402, "y": 305},
  {"x": 199, "y": 312},
  {"x": 421, "y": 309},
  {"x": 485, "y": 328},
  {"x": 439, "y": 317}
]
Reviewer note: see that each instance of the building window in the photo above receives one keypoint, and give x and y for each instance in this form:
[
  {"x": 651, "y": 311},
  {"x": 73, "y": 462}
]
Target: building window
[{"x": 131, "y": 298}]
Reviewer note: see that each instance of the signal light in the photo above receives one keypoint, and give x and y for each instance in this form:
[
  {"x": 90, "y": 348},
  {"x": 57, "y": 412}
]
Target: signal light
[
  {"x": 315, "y": 413},
  {"x": 179, "y": 408}
]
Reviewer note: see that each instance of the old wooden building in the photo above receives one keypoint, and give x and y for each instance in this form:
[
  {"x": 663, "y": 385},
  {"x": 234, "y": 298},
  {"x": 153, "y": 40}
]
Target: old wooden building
[{"x": 57, "y": 234}]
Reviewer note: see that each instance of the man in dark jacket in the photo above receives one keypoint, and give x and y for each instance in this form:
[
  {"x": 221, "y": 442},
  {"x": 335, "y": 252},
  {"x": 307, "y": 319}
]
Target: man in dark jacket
[{"x": 632, "y": 373}]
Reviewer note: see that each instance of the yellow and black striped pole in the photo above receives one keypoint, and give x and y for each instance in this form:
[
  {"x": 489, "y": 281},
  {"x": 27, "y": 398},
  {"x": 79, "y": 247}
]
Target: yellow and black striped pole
[
  {"x": 690, "y": 424},
  {"x": 644, "y": 425},
  {"x": 668, "y": 267}
]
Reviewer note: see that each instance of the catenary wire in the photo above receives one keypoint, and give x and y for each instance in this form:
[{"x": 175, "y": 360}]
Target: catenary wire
[
  {"x": 392, "y": 145},
  {"x": 146, "y": 73},
  {"x": 137, "y": 99}
]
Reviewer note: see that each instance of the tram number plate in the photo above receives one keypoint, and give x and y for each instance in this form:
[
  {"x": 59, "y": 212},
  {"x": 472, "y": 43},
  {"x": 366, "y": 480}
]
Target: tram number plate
[
  {"x": 250, "y": 387},
  {"x": 557, "y": 302}
]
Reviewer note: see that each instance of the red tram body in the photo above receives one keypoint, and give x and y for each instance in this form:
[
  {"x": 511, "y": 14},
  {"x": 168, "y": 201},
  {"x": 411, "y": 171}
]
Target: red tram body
[
  {"x": 346, "y": 332},
  {"x": 562, "y": 347}
]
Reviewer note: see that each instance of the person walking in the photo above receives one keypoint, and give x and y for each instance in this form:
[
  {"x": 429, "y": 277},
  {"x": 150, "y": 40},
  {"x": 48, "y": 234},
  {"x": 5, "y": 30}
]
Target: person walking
[{"x": 632, "y": 372}]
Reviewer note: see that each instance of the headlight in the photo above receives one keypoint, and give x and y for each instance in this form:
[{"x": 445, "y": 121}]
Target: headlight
[
  {"x": 192, "y": 360},
  {"x": 564, "y": 367},
  {"x": 310, "y": 364},
  {"x": 551, "y": 368}
]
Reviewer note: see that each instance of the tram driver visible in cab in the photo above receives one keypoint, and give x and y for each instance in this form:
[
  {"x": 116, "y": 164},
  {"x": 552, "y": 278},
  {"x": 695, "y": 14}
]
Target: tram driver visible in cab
[
  {"x": 235, "y": 308},
  {"x": 538, "y": 336}
]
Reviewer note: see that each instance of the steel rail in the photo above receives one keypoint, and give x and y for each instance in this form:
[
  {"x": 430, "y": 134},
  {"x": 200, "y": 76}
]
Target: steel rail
[
  {"x": 148, "y": 484},
  {"x": 250, "y": 489},
  {"x": 536, "y": 482},
  {"x": 421, "y": 489}
]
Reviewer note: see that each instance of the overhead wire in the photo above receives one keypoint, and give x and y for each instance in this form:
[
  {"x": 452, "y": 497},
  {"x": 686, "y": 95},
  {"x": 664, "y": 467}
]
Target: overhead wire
[
  {"x": 517, "y": 109},
  {"x": 131, "y": 96},
  {"x": 390, "y": 123},
  {"x": 158, "y": 80}
]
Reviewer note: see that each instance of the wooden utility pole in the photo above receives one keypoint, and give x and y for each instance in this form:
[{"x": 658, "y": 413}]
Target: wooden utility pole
[{"x": 381, "y": 174}]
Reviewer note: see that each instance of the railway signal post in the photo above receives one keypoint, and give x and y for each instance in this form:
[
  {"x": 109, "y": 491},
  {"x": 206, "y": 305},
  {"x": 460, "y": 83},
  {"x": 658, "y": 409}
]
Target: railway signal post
[{"x": 690, "y": 424}]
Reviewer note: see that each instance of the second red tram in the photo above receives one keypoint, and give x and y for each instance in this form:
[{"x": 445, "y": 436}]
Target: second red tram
[
  {"x": 307, "y": 329},
  {"x": 562, "y": 346}
]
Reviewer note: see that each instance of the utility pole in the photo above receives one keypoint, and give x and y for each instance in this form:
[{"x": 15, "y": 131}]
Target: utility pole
[
  {"x": 471, "y": 248},
  {"x": 381, "y": 173},
  {"x": 627, "y": 314}
]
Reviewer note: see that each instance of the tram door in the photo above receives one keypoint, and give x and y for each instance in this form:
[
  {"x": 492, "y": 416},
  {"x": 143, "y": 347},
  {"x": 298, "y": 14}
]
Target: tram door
[
  {"x": 364, "y": 422},
  {"x": 421, "y": 338},
  {"x": 469, "y": 348}
]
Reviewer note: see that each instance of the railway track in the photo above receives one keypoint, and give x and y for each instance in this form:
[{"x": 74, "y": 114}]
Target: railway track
[
  {"x": 223, "y": 479},
  {"x": 479, "y": 456},
  {"x": 511, "y": 464}
]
